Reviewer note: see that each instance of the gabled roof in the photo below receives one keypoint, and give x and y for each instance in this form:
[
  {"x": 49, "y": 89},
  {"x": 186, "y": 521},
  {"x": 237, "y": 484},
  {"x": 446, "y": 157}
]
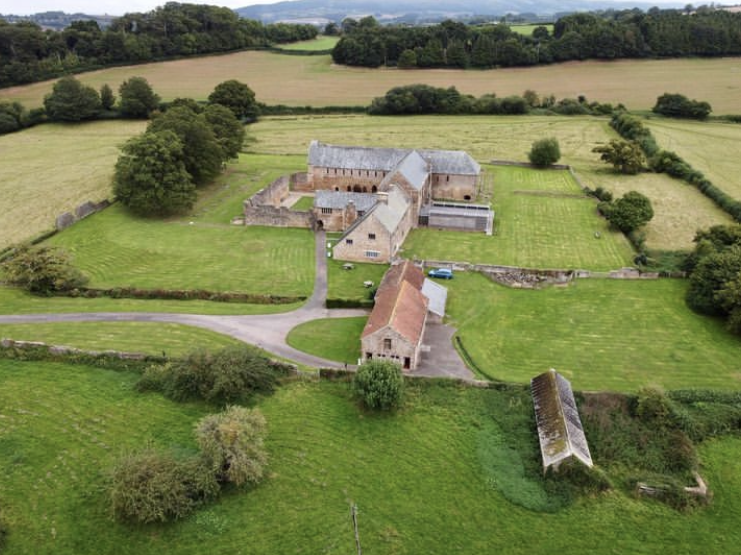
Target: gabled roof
[
  {"x": 401, "y": 308},
  {"x": 340, "y": 199},
  {"x": 354, "y": 157},
  {"x": 398, "y": 273},
  {"x": 559, "y": 428},
  {"x": 454, "y": 162},
  {"x": 437, "y": 296},
  {"x": 413, "y": 168},
  {"x": 391, "y": 213}
]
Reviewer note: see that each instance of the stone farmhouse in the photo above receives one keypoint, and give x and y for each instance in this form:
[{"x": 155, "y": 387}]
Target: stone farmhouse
[{"x": 404, "y": 302}]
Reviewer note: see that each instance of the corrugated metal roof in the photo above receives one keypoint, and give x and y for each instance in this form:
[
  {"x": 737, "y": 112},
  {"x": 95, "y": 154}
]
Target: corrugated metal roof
[
  {"x": 559, "y": 428},
  {"x": 340, "y": 199},
  {"x": 437, "y": 295},
  {"x": 454, "y": 162}
]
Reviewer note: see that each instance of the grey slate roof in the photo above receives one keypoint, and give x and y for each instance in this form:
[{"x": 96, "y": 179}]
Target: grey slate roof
[
  {"x": 415, "y": 169},
  {"x": 559, "y": 428},
  {"x": 454, "y": 162},
  {"x": 391, "y": 214},
  {"x": 437, "y": 295},
  {"x": 339, "y": 199}
]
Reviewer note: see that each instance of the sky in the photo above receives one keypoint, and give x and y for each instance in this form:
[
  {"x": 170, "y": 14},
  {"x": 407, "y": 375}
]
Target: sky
[{"x": 99, "y": 7}]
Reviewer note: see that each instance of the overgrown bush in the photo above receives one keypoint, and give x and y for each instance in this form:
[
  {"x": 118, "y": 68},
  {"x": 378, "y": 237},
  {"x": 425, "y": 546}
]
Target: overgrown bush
[
  {"x": 228, "y": 375},
  {"x": 580, "y": 476},
  {"x": 42, "y": 270},
  {"x": 153, "y": 486},
  {"x": 628, "y": 213},
  {"x": 379, "y": 384},
  {"x": 545, "y": 152},
  {"x": 232, "y": 445}
]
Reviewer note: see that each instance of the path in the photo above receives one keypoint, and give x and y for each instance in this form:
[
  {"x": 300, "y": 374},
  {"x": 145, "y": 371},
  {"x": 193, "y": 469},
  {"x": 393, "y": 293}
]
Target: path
[{"x": 267, "y": 331}]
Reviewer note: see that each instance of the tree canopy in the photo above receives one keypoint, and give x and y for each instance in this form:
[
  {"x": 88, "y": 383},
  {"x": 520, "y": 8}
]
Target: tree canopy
[
  {"x": 630, "y": 212},
  {"x": 138, "y": 100},
  {"x": 379, "y": 384},
  {"x": 151, "y": 177},
  {"x": 679, "y": 106},
  {"x": 625, "y": 156},
  {"x": 70, "y": 100},
  {"x": 545, "y": 152},
  {"x": 236, "y": 96}
]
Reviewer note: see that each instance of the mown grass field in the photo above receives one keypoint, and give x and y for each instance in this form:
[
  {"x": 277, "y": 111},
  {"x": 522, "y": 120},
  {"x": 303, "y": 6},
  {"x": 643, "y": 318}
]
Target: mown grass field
[
  {"x": 335, "y": 339},
  {"x": 422, "y": 479},
  {"x": 17, "y": 301},
  {"x": 138, "y": 337},
  {"x": 116, "y": 249},
  {"x": 680, "y": 209},
  {"x": 314, "y": 80},
  {"x": 348, "y": 284},
  {"x": 527, "y": 29},
  {"x": 601, "y": 334},
  {"x": 323, "y": 42},
  {"x": 51, "y": 169},
  {"x": 542, "y": 220},
  {"x": 712, "y": 148}
]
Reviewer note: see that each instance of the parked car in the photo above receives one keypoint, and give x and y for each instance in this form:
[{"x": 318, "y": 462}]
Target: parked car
[{"x": 442, "y": 273}]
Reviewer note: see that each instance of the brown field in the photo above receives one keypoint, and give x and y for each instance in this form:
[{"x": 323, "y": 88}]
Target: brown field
[
  {"x": 313, "y": 80},
  {"x": 50, "y": 169},
  {"x": 680, "y": 209},
  {"x": 712, "y": 148}
]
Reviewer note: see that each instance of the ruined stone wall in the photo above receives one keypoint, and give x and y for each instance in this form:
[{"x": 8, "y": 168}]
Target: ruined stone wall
[
  {"x": 65, "y": 220},
  {"x": 341, "y": 179},
  {"x": 264, "y": 208},
  {"x": 454, "y": 187}
]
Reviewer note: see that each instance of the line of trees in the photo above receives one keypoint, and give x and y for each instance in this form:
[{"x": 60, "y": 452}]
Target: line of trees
[
  {"x": 618, "y": 34},
  {"x": 28, "y": 53}
]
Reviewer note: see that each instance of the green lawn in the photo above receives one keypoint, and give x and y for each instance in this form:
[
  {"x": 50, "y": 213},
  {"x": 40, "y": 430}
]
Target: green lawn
[
  {"x": 542, "y": 220},
  {"x": 421, "y": 479},
  {"x": 16, "y": 301},
  {"x": 348, "y": 284},
  {"x": 139, "y": 337},
  {"x": 335, "y": 339},
  {"x": 320, "y": 43},
  {"x": 528, "y": 28},
  {"x": 117, "y": 249},
  {"x": 601, "y": 334},
  {"x": 304, "y": 204}
]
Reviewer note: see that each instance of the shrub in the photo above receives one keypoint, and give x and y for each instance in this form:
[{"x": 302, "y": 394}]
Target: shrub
[
  {"x": 631, "y": 211},
  {"x": 232, "y": 374},
  {"x": 545, "y": 152},
  {"x": 152, "y": 486},
  {"x": 42, "y": 270},
  {"x": 379, "y": 384},
  {"x": 679, "y": 106},
  {"x": 232, "y": 445}
]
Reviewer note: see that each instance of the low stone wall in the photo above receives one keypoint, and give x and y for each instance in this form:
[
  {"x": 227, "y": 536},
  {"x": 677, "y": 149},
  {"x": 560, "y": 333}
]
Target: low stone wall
[
  {"x": 60, "y": 350},
  {"x": 264, "y": 207},
  {"x": 531, "y": 278},
  {"x": 65, "y": 220}
]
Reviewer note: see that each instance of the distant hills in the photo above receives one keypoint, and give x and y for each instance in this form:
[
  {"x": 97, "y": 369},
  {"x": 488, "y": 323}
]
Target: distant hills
[
  {"x": 419, "y": 11},
  {"x": 58, "y": 20}
]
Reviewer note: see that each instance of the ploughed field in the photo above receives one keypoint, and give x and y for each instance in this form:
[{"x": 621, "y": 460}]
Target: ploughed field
[
  {"x": 316, "y": 81},
  {"x": 428, "y": 479}
]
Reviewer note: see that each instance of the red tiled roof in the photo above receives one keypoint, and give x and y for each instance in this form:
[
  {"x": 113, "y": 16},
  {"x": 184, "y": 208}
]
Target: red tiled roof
[
  {"x": 397, "y": 274},
  {"x": 403, "y": 308}
]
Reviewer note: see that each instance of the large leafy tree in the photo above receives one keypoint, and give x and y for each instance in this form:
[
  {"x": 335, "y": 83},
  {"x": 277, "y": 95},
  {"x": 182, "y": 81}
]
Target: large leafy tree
[
  {"x": 151, "y": 178},
  {"x": 138, "y": 100},
  {"x": 379, "y": 384},
  {"x": 228, "y": 129},
  {"x": 625, "y": 156},
  {"x": 202, "y": 154},
  {"x": 236, "y": 96},
  {"x": 70, "y": 100},
  {"x": 629, "y": 212},
  {"x": 679, "y": 106},
  {"x": 545, "y": 152}
]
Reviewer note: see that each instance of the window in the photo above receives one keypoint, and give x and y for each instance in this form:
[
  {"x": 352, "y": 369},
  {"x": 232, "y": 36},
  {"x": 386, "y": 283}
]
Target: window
[
  {"x": 361, "y": 213},
  {"x": 447, "y": 178},
  {"x": 371, "y": 254},
  {"x": 326, "y": 210},
  {"x": 387, "y": 344},
  {"x": 348, "y": 241},
  {"x": 372, "y": 236}
]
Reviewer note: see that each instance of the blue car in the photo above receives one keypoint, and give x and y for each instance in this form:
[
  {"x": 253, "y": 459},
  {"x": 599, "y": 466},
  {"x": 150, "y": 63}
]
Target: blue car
[{"x": 442, "y": 273}]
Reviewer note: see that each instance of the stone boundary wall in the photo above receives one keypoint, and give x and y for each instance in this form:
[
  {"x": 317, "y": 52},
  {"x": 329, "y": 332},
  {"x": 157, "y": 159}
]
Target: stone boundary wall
[
  {"x": 65, "y": 220},
  {"x": 6, "y": 343},
  {"x": 264, "y": 207},
  {"x": 529, "y": 278}
]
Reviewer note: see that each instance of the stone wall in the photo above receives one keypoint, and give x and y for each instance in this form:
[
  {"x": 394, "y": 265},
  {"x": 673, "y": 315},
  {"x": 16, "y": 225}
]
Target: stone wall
[
  {"x": 454, "y": 187},
  {"x": 264, "y": 208},
  {"x": 65, "y": 220},
  {"x": 301, "y": 182},
  {"x": 373, "y": 345},
  {"x": 341, "y": 179},
  {"x": 361, "y": 243}
]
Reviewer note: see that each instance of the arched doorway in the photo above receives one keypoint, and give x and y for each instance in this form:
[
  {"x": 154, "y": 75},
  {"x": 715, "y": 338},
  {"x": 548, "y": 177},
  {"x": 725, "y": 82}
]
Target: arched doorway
[
  {"x": 349, "y": 188},
  {"x": 336, "y": 189},
  {"x": 365, "y": 189},
  {"x": 319, "y": 225},
  {"x": 356, "y": 189},
  {"x": 374, "y": 189}
]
